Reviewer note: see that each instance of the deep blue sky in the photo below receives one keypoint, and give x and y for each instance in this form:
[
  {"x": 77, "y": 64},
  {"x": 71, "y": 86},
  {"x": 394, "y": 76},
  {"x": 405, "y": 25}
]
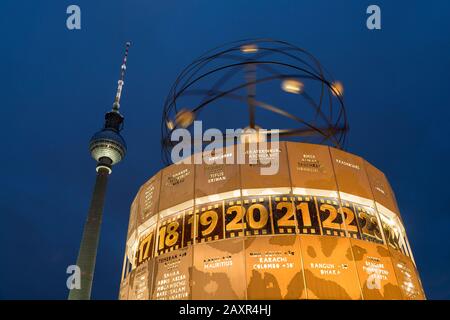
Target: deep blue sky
[{"x": 56, "y": 84}]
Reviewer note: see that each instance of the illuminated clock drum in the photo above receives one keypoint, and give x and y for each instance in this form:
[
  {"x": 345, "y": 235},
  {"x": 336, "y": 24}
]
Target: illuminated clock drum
[{"x": 325, "y": 226}]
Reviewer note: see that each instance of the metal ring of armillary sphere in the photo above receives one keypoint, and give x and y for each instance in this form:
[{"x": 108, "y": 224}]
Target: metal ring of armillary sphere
[{"x": 258, "y": 76}]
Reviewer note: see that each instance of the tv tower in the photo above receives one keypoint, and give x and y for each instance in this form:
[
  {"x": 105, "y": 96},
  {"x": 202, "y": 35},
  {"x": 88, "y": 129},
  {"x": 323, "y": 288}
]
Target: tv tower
[{"x": 107, "y": 147}]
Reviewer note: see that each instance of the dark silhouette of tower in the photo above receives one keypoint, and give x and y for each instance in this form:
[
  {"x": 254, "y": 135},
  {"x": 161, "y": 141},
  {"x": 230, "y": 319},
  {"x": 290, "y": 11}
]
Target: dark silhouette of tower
[{"x": 107, "y": 147}]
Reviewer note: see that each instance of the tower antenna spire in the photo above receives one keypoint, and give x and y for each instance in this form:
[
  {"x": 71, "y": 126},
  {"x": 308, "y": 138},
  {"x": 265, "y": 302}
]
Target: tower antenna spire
[{"x": 123, "y": 68}]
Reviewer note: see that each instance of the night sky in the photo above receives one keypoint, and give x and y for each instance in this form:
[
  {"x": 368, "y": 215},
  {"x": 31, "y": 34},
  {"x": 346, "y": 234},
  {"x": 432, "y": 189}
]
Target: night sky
[{"x": 56, "y": 85}]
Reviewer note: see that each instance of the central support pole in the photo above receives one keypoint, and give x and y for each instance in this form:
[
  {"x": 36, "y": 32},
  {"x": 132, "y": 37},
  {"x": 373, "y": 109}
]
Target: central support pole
[{"x": 250, "y": 76}]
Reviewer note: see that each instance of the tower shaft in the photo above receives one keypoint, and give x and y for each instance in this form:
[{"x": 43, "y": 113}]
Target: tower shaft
[{"x": 91, "y": 234}]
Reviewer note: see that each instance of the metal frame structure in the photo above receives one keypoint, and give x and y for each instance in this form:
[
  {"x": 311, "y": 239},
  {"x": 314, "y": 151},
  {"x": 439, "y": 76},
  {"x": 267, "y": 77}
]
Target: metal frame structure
[{"x": 261, "y": 61}]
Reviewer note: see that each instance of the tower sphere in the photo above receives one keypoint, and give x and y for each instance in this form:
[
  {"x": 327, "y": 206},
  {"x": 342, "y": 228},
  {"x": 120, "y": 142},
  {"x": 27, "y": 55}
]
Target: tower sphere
[{"x": 108, "y": 143}]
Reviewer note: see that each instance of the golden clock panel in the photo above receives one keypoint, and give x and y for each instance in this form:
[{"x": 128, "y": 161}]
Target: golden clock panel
[
  {"x": 310, "y": 166},
  {"x": 407, "y": 276},
  {"x": 170, "y": 233},
  {"x": 394, "y": 237},
  {"x": 132, "y": 224},
  {"x": 351, "y": 221},
  {"x": 274, "y": 268},
  {"x": 234, "y": 218},
  {"x": 283, "y": 214},
  {"x": 257, "y": 216},
  {"x": 306, "y": 215},
  {"x": 146, "y": 246},
  {"x": 276, "y": 156},
  {"x": 216, "y": 178},
  {"x": 171, "y": 275},
  {"x": 369, "y": 223},
  {"x": 396, "y": 210},
  {"x": 219, "y": 270},
  {"x": 330, "y": 216},
  {"x": 381, "y": 189},
  {"x": 177, "y": 185},
  {"x": 350, "y": 174},
  {"x": 123, "y": 291},
  {"x": 131, "y": 277},
  {"x": 149, "y": 198},
  {"x": 376, "y": 272},
  {"x": 139, "y": 283},
  {"x": 330, "y": 270},
  {"x": 209, "y": 222}
]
